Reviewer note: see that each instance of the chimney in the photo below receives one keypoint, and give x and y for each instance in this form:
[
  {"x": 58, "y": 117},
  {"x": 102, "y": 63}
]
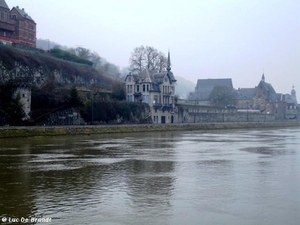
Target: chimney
[
  {"x": 23, "y": 9},
  {"x": 17, "y": 7}
]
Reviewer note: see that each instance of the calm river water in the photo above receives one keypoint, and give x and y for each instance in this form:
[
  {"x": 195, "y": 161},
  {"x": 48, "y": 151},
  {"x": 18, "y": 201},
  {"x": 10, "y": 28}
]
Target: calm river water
[{"x": 212, "y": 177}]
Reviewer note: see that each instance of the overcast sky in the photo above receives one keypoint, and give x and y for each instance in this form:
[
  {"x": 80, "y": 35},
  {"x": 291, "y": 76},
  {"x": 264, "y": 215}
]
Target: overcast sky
[{"x": 236, "y": 39}]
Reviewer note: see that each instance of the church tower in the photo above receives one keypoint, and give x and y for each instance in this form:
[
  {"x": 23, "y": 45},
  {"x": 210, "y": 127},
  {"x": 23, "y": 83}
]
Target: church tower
[{"x": 293, "y": 95}]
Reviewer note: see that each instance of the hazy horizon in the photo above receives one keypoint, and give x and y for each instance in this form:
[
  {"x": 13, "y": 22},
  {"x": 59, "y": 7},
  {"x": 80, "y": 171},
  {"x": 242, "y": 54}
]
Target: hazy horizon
[{"x": 207, "y": 39}]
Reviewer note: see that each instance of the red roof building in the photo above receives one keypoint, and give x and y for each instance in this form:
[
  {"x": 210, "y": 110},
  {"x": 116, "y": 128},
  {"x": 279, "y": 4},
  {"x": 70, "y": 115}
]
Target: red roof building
[{"x": 16, "y": 26}]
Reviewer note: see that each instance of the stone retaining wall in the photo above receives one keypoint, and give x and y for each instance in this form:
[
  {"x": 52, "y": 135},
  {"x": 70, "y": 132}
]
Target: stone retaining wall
[{"x": 17, "y": 132}]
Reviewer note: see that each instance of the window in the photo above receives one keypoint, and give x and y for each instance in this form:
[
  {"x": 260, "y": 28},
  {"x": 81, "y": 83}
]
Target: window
[
  {"x": 146, "y": 99},
  {"x": 129, "y": 98},
  {"x": 138, "y": 88},
  {"x": 147, "y": 87},
  {"x": 144, "y": 88},
  {"x": 129, "y": 88},
  {"x": 156, "y": 99}
]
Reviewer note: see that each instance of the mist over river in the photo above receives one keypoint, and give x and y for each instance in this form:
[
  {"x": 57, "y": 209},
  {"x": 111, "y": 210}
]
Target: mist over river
[{"x": 249, "y": 176}]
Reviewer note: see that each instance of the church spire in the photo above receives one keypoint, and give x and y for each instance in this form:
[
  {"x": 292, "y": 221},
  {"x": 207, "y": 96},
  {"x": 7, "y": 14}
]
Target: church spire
[
  {"x": 169, "y": 62},
  {"x": 263, "y": 77}
]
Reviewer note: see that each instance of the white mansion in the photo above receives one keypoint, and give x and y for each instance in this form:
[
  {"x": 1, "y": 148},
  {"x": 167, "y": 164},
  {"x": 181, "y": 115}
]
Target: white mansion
[{"x": 155, "y": 89}]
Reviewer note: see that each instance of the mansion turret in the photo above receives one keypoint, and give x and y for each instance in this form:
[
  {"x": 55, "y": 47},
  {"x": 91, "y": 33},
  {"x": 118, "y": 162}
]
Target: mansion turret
[
  {"x": 155, "y": 89},
  {"x": 16, "y": 26}
]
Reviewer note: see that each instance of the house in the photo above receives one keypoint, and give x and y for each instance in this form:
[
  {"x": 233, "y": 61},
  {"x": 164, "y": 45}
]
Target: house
[
  {"x": 245, "y": 97},
  {"x": 16, "y": 26},
  {"x": 264, "y": 97},
  {"x": 205, "y": 86},
  {"x": 287, "y": 106},
  {"x": 155, "y": 89}
]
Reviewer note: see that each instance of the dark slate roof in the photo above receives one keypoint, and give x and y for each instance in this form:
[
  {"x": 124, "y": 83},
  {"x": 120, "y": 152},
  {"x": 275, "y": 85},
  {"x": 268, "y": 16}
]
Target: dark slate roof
[
  {"x": 23, "y": 13},
  {"x": 290, "y": 99},
  {"x": 211, "y": 83},
  {"x": 155, "y": 87},
  {"x": 145, "y": 76},
  {"x": 279, "y": 97},
  {"x": 245, "y": 93},
  {"x": 159, "y": 77},
  {"x": 3, "y": 4},
  {"x": 171, "y": 76},
  {"x": 205, "y": 86},
  {"x": 271, "y": 91}
]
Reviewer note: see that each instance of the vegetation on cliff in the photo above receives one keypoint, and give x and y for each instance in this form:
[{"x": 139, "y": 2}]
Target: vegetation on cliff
[
  {"x": 101, "y": 102},
  {"x": 34, "y": 59}
]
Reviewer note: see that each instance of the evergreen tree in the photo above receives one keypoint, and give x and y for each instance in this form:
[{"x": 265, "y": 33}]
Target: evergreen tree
[{"x": 74, "y": 99}]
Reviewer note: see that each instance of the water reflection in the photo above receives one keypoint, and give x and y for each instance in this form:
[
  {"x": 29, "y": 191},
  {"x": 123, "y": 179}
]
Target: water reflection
[{"x": 240, "y": 177}]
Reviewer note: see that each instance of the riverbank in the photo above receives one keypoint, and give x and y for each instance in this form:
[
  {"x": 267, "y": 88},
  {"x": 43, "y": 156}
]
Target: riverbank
[{"x": 23, "y": 132}]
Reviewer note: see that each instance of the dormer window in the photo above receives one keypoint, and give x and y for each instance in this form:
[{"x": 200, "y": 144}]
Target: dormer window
[{"x": 14, "y": 17}]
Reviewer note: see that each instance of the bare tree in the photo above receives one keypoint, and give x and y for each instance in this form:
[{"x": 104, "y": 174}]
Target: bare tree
[
  {"x": 137, "y": 59},
  {"x": 147, "y": 58},
  {"x": 96, "y": 59},
  {"x": 161, "y": 62},
  {"x": 222, "y": 96},
  {"x": 83, "y": 53}
]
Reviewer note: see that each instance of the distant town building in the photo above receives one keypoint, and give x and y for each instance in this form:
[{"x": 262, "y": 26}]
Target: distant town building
[
  {"x": 262, "y": 98},
  {"x": 205, "y": 86},
  {"x": 155, "y": 89},
  {"x": 16, "y": 26}
]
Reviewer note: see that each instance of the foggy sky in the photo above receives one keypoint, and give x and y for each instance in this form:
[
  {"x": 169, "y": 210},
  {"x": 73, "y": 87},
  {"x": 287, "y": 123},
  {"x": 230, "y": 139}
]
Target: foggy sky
[{"x": 238, "y": 39}]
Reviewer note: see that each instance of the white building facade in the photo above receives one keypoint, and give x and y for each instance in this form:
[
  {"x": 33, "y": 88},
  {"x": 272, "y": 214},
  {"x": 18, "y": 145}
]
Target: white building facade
[{"x": 155, "y": 89}]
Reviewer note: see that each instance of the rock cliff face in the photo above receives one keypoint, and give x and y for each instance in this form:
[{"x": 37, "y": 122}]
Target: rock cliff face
[{"x": 42, "y": 67}]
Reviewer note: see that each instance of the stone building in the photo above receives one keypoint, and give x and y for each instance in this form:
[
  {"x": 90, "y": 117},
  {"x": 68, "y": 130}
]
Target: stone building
[
  {"x": 155, "y": 89},
  {"x": 205, "y": 86},
  {"x": 261, "y": 99},
  {"x": 16, "y": 26},
  {"x": 265, "y": 99}
]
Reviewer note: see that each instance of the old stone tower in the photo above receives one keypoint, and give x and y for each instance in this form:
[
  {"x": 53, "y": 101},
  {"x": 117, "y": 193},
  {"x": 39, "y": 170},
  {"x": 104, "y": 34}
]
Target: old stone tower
[{"x": 21, "y": 87}]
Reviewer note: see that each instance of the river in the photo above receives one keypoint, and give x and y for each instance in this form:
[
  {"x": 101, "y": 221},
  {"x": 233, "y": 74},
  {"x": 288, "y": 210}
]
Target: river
[{"x": 193, "y": 177}]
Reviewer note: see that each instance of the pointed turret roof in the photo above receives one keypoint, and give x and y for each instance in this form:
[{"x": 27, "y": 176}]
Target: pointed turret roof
[
  {"x": 293, "y": 92},
  {"x": 263, "y": 77},
  {"x": 169, "y": 62},
  {"x": 3, "y": 4}
]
